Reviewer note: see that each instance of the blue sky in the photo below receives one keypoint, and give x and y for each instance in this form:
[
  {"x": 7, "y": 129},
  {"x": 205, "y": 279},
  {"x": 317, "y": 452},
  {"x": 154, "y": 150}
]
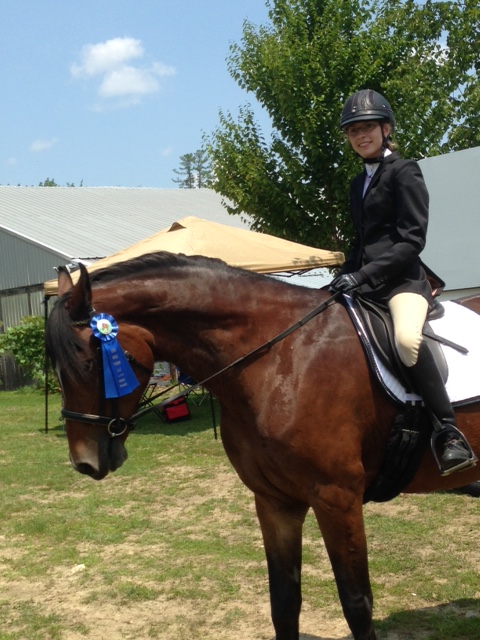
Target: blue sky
[{"x": 113, "y": 92}]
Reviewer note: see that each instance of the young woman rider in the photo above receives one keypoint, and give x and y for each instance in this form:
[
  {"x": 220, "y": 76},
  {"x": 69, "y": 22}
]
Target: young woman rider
[{"x": 389, "y": 209}]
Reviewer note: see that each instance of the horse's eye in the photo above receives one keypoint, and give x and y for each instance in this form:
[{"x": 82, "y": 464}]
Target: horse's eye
[
  {"x": 85, "y": 358},
  {"x": 88, "y": 366}
]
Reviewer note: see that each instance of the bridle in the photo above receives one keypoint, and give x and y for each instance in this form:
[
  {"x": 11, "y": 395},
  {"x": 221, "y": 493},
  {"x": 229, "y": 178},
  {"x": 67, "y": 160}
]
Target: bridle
[{"x": 117, "y": 426}]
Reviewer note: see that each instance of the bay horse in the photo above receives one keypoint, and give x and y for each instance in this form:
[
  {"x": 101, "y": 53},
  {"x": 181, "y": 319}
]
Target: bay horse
[{"x": 303, "y": 420}]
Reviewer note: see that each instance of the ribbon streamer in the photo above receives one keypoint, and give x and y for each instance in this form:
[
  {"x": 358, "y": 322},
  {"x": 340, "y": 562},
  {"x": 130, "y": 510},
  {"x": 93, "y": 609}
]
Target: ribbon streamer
[{"x": 118, "y": 375}]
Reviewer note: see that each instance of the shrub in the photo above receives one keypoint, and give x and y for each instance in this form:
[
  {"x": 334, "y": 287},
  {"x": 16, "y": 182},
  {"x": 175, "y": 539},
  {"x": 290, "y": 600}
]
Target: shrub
[{"x": 26, "y": 343}]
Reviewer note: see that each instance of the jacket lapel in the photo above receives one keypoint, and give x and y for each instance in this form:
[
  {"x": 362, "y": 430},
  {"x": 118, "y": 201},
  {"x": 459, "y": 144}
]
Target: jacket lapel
[{"x": 376, "y": 176}]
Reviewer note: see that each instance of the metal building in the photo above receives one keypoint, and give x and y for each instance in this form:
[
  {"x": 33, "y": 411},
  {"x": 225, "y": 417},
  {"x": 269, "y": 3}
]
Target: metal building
[
  {"x": 452, "y": 250},
  {"x": 44, "y": 227}
]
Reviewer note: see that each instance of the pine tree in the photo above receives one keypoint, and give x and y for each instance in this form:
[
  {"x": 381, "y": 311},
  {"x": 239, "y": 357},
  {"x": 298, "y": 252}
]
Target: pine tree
[{"x": 194, "y": 171}]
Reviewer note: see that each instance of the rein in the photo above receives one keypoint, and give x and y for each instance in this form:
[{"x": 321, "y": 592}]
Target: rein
[{"x": 117, "y": 426}]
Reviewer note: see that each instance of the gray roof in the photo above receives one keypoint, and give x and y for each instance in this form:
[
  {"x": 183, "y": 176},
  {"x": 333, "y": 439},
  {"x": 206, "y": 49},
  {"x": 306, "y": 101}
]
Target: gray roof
[{"x": 93, "y": 222}]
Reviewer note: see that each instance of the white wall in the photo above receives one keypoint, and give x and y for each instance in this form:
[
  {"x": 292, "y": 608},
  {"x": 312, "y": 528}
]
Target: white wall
[{"x": 453, "y": 244}]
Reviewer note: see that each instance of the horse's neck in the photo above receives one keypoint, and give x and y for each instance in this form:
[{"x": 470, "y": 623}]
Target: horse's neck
[
  {"x": 203, "y": 321},
  {"x": 191, "y": 315},
  {"x": 162, "y": 297}
]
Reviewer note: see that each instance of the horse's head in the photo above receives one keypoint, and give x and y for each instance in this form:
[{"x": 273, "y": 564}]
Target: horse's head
[{"x": 96, "y": 425}]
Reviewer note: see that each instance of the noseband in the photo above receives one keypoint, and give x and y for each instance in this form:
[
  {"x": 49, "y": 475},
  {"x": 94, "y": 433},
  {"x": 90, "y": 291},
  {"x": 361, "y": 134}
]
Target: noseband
[{"x": 115, "y": 426}]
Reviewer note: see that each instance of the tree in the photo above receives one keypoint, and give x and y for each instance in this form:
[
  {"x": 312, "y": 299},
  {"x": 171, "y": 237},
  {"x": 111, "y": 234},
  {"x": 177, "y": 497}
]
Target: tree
[
  {"x": 194, "y": 171},
  {"x": 302, "y": 67},
  {"x": 50, "y": 182}
]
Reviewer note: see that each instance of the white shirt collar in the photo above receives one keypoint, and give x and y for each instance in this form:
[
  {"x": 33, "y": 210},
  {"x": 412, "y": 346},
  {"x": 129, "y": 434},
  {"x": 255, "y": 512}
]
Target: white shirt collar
[{"x": 371, "y": 168}]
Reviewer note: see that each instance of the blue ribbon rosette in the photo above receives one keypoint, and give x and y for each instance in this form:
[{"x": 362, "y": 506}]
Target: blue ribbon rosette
[{"x": 118, "y": 376}]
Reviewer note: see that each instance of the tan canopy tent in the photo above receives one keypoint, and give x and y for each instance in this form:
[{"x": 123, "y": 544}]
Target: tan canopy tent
[{"x": 238, "y": 247}]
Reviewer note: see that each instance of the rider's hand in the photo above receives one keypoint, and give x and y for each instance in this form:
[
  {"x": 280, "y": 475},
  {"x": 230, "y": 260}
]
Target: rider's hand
[{"x": 348, "y": 281}]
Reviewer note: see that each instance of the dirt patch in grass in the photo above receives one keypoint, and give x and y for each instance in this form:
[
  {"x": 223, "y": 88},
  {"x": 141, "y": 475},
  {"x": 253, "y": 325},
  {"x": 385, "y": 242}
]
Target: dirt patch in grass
[
  {"x": 77, "y": 606},
  {"x": 89, "y": 600},
  {"x": 169, "y": 548},
  {"x": 107, "y": 593}
]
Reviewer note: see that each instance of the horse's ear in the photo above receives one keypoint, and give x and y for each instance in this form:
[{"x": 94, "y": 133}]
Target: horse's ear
[
  {"x": 65, "y": 283},
  {"x": 79, "y": 304}
]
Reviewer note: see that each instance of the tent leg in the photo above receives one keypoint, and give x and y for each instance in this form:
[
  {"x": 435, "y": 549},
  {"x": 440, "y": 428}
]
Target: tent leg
[
  {"x": 214, "y": 421},
  {"x": 45, "y": 366}
]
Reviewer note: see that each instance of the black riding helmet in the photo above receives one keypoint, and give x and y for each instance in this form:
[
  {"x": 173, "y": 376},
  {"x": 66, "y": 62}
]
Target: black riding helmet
[{"x": 366, "y": 105}]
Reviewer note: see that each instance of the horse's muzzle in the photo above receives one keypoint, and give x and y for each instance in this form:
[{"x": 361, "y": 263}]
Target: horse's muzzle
[{"x": 99, "y": 466}]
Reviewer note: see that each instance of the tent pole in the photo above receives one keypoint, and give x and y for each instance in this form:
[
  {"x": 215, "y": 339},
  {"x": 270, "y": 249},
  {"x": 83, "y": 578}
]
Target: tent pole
[{"x": 45, "y": 364}]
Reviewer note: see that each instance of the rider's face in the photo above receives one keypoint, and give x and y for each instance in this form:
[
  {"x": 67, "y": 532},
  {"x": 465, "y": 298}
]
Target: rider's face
[{"x": 367, "y": 138}]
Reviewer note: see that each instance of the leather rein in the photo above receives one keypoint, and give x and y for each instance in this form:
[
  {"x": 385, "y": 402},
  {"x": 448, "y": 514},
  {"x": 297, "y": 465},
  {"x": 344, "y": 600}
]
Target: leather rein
[{"x": 116, "y": 426}]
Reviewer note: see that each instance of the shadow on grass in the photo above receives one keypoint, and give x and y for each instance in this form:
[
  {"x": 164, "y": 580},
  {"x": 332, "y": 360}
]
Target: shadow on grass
[
  {"x": 185, "y": 427},
  {"x": 307, "y": 636},
  {"x": 457, "y": 620},
  {"x": 53, "y": 427},
  {"x": 202, "y": 418}
]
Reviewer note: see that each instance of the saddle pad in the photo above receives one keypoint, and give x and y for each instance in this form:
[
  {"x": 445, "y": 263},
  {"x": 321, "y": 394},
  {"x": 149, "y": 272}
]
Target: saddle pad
[{"x": 462, "y": 326}]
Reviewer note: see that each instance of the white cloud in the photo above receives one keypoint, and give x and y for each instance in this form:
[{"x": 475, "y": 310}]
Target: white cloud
[
  {"x": 160, "y": 69},
  {"x": 11, "y": 162},
  {"x": 97, "y": 59},
  {"x": 38, "y": 146},
  {"x": 128, "y": 81},
  {"x": 112, "y": 62}
]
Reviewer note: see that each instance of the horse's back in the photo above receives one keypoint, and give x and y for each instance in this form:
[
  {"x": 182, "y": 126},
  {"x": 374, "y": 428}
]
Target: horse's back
[{"x": 471, "y": 302}]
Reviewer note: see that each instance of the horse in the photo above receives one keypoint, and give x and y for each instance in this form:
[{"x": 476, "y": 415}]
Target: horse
[{"x": 304, "y": 422}]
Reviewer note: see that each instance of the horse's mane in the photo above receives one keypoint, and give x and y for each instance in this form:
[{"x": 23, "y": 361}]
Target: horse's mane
[
  {"x": 62, "y": 343},
  {"x": 162, "y": 260}
]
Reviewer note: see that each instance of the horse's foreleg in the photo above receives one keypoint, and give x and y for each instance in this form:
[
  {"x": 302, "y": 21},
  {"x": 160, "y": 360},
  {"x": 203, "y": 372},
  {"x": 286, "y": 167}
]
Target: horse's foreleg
[
  {"x": 282, "y": 535},
  {"x": 340, "y": 518}
]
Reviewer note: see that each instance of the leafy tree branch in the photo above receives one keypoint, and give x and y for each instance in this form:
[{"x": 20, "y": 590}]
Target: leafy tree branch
[{"x": 302, "y": 66}]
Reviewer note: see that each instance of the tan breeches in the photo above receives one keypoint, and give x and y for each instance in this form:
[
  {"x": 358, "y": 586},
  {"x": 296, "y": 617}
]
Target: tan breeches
[{"x": 408, "y": 311}]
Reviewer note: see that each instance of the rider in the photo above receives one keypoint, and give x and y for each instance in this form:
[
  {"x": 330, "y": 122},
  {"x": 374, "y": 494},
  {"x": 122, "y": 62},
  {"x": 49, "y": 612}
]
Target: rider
[{"x": 389, "y": 209}]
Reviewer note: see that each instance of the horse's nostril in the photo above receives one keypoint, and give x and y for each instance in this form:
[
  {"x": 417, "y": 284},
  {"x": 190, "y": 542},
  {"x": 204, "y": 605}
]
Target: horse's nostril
[{"x": 86, "y": 469}]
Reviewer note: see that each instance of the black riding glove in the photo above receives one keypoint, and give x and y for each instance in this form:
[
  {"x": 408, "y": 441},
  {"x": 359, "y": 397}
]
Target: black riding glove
[{"x": 348, "y": 281}]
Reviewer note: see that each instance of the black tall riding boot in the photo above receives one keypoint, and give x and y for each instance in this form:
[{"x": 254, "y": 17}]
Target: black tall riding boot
[{"x": 428, "y": 382}]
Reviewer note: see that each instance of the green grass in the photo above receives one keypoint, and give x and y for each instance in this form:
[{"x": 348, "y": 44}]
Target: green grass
[{"x": 169, "y": 548}]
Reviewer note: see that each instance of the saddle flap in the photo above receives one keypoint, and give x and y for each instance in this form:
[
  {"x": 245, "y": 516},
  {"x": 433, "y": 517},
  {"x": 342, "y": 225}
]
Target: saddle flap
[{"x": 375, "y": 328}]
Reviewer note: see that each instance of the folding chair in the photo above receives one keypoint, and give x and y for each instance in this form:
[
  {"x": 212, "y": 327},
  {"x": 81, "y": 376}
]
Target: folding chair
[
  {"x": 146, "y": 400},
  {"x": 162, "y": 376},
  {"x": 196, "y": 394}
]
